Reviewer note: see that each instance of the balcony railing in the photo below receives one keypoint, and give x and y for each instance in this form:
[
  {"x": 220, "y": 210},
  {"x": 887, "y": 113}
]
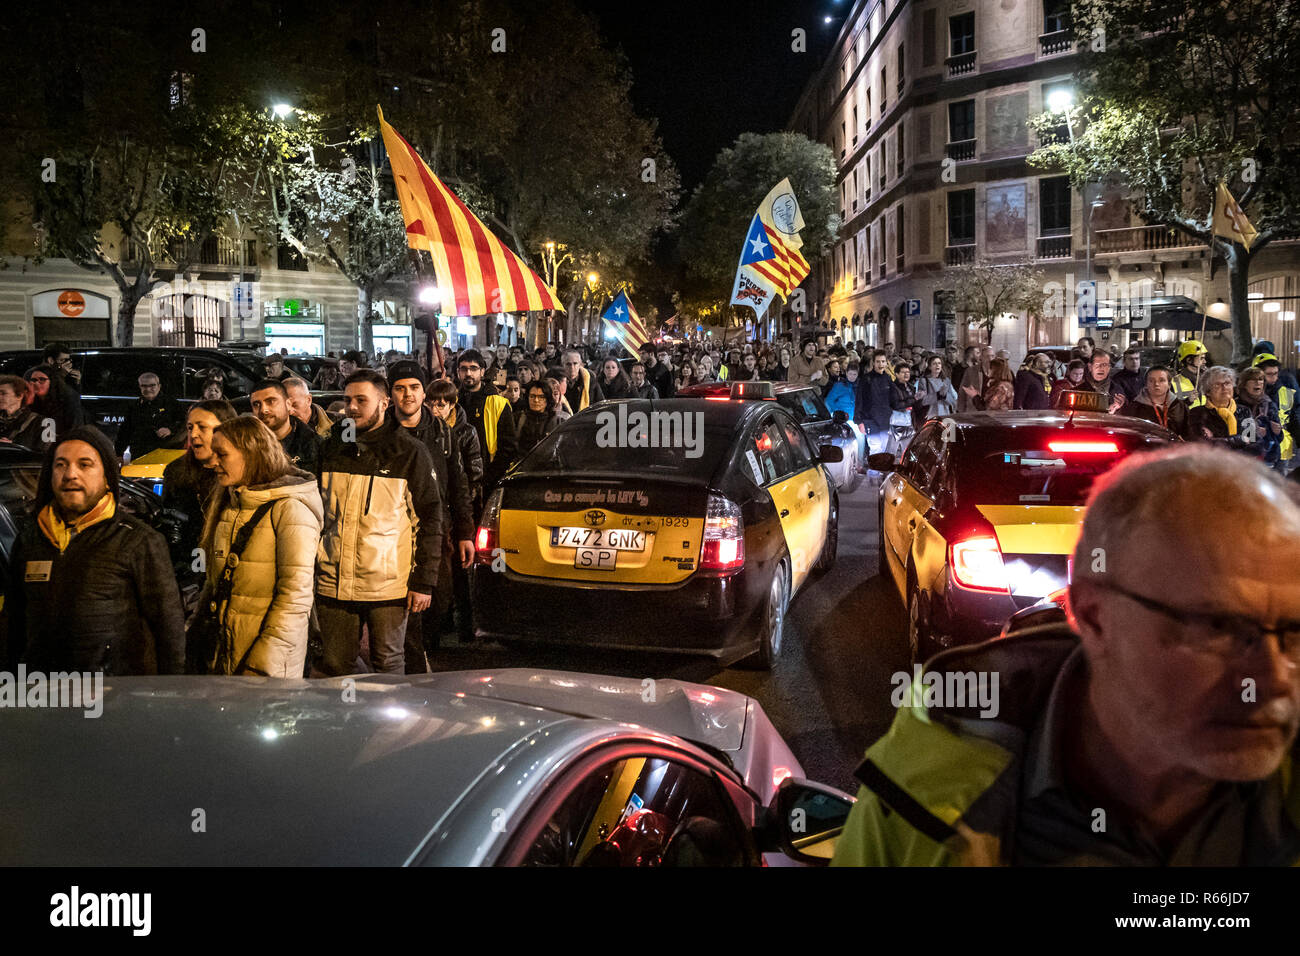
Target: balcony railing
[
  {"x": 1060, "y": 41},
  {"x": 216, "y": 252},
  {"x": 1141, "y": 239},
  {"x": 1054, "y": 247},
  {"x": 961, "y": 150},
  {"x": 961, "y": 64},
  {"x": 960, "y": 255}
]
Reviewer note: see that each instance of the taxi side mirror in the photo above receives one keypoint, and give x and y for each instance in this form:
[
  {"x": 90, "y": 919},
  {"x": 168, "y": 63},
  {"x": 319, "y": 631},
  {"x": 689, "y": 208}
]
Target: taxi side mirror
[
  {"x": 881, "y": 462},
  {"x": 830, "y": 453},
  {"x": 805, "y": 819},
  {"x": 840, "y": 417}
]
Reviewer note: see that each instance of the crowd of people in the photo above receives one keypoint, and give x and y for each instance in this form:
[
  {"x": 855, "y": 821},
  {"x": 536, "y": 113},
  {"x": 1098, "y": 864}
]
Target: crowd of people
[{"x": 319, "y": 532}]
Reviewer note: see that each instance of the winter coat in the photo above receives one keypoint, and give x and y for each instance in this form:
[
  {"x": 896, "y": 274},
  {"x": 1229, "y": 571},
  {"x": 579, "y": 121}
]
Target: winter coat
[
  {"x": 139, "y": 429},
  {"x": 24, "y": 428},
  {"x": 935, "y": 397},
  {"x": 1259, "y": 419},
  {"x": 533, "y": 427},
  {"x": 302, "y": 445},
  {"x": 453, "y": 483},
  {"x": 661, "y": 379},
  {"x": 108, "y": 602},
  {"x": 265, "y": 622},
  {"x": 382, "y": 534},
  {"x": 646, "y": 391},
  {"x": 187, "y": 485},
  {"x": 842, "y": 397},
  {"x": 489, "y": 412},
  {"x": 872, "y": 407},
  {"x": 1129, "y": 384},
  {"x": 972, "y": 376},
  {"x": 1174, "y": 412},
  {"x": 1031, "y": 390},
  {"x": 471, "y": 456},
  {"x": 802, "y": 370},
  {"x": 997, "y": 397}
]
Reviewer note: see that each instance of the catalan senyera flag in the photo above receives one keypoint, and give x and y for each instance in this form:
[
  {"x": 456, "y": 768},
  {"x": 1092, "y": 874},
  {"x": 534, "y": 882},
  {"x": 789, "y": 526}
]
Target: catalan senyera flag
[
  {"x": 771, "y": 264},
  {"x": 1230, "y": 221},
  {"x": 477, "y": 273},
  {"x": 625, "y": 323}
]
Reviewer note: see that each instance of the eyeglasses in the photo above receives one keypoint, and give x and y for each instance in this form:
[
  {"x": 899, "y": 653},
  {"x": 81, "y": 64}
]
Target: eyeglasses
[
  {"x": 1227, "y": 636},
  {"x": 441, "y": 402}
]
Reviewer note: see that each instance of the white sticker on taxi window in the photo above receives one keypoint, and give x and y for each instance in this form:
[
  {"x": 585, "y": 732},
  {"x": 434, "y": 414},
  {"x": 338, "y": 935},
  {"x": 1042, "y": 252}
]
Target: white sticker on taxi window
[
  {"x": 753, "y": 467},
  {"x": 39, "y": 570}
]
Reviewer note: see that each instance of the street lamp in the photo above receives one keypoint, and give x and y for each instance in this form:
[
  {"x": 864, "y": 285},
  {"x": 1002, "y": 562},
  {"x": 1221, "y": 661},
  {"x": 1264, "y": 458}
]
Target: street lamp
[{"x": 282, "y": 110}]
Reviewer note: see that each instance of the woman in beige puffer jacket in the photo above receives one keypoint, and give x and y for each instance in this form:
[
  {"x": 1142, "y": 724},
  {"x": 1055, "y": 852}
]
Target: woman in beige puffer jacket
[{"x": 265, "y": 622}]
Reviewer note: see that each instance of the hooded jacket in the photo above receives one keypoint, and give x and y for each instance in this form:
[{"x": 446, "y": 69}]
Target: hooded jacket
[
  {"x": 873, "y": 406},
  {"x": 265, "y": 624},
  {"x": 108, "y": 602},
  {"x": 382, "y": 534},
  {"x": 1174, "y": 412}
]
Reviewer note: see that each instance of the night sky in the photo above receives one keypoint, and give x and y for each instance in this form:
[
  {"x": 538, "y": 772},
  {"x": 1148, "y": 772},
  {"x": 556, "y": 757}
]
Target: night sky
[{"x": 710, "y": 70}]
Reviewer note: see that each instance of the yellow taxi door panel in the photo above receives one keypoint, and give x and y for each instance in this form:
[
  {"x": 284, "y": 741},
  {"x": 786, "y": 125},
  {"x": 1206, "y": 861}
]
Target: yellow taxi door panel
[{"x": 803, "y": 504}]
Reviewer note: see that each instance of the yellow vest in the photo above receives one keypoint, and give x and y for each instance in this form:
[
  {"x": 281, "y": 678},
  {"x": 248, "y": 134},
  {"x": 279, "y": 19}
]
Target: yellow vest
[{"x": 1285, "y": 402}]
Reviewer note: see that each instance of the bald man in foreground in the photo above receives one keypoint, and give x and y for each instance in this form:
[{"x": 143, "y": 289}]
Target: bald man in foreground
[{"x": 1161, "y": 732}]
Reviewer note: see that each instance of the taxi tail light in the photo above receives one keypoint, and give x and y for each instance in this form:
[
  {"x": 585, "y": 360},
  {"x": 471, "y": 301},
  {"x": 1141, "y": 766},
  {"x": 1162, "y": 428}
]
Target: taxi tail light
[
  {"x": 489, "y": 529},
  {"x": 976, "y": 563},
  {"x": 1084, "y": 447},
  {"x": 724, "y": 536}
]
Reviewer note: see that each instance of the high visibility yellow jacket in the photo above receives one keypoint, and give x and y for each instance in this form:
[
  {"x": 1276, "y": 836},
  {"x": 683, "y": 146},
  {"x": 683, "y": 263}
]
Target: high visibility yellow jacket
[{"x": 934, "y": 792}]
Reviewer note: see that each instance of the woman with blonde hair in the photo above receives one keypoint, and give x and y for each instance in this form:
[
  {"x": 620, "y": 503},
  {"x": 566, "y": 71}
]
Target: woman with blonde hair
[{"x": 260, "y": 538}]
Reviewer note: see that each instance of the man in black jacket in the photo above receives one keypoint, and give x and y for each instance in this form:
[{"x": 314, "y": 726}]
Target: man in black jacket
[
  {"x": 443, "y": 400},
  {"x": 406, "y": 388},
  {"x": 91, "y": 588},
  {"x": 270, "y": 403},
  {"x": 490, "y": 414},
  {"x": 150, "y": 421},
  {"x": 873, "y": 407},
  {"x": 376, "y": 564},
  {"x": 656, "y": 373}
]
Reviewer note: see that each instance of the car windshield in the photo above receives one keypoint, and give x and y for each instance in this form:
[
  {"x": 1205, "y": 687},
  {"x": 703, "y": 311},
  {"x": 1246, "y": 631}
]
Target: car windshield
[
  {"x": 658, "y": 442},
  {"x": 1060, "y": 474}
]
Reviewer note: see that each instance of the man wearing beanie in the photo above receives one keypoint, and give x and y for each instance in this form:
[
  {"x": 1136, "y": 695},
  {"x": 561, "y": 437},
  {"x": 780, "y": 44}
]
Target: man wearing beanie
[
  {"x": 91, "y": 588},
  {"x": 406, "y": 383}
]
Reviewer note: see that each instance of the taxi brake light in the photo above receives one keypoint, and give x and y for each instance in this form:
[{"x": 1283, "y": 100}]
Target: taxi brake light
[
  {"x": 485, "y": 540},
  {"x": 723, "y": 548},
  {"x": 976, "y": 564},
  {"x": 1093, "y": 447}
]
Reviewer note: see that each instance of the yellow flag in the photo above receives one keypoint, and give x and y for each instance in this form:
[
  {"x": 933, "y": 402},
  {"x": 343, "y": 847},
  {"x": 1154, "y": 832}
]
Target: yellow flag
[{"x": 1230, "y": 221}]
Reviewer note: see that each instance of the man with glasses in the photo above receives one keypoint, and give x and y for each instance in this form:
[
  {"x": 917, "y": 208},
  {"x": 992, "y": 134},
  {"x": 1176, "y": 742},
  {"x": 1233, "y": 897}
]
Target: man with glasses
[
  {"x": 1098, "y": 379},
  {"x": 58, "y": 355},
  {"x": 1159, "y": 729},
  {"x": 151, "y": 421},
  {"x": 490, "y": 414}
]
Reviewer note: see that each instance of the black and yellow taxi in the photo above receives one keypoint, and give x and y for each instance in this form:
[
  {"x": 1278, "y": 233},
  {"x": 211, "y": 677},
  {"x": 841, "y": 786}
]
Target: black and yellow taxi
[
  {"x": 980, "y": 517},
  {"x": 673, "y": 526}
]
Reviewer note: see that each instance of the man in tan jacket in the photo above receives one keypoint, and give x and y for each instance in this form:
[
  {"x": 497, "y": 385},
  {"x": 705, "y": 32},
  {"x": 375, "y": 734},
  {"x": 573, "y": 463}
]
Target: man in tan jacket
[{"x": 806, "y": 368}]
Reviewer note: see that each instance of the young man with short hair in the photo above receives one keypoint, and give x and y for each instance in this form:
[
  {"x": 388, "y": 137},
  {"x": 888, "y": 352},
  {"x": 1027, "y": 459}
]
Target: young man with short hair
[{"x": 270, "y": 404}]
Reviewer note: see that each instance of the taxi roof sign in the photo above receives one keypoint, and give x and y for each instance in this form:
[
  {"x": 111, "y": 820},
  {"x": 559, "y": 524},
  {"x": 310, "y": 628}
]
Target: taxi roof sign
[
  {"x": 752, "y": 390},
  {"x": 1084, "y": 401}
]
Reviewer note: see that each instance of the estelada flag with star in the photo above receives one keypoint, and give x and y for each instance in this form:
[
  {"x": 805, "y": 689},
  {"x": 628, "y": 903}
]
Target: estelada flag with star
[
  {"x": 1230, "y": 221},
  {"x": 625, "y": 324},
  {"x": 477, "y": 273},
  {"x": 770, "y": 262}
]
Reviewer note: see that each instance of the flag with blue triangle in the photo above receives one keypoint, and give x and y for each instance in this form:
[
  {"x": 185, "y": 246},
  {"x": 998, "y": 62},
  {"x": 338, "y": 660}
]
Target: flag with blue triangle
[{"x": 624, "y": 323}]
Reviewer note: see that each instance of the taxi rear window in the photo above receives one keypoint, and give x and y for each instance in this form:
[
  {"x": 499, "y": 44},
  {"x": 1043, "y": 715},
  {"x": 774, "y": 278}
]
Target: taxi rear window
[
  {"x": 1042, "y": 475},
  {"x": 667, "y": 446}
]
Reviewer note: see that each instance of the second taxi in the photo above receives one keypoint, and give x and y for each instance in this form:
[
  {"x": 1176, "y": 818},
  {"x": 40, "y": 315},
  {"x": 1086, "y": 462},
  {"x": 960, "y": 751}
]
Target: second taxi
[{"x": 676, "y": 526}]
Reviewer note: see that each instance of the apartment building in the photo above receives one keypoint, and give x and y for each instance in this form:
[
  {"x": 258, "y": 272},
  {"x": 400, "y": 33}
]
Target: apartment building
[{"x": 925, "y": 104}]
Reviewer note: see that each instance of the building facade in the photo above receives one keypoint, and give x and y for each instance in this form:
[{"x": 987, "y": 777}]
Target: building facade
[{"x": 925, "y": 105}]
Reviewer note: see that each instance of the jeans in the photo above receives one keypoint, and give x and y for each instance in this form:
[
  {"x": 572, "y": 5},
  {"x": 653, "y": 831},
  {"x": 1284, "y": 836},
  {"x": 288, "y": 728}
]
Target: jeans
[{"x": 341, "y": 623}]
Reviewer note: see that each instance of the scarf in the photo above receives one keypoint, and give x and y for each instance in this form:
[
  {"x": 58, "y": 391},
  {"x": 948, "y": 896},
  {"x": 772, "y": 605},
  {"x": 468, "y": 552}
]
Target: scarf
[
  {"x": 1229, "y": 415},
  {"x": 60, "y": 535}
]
